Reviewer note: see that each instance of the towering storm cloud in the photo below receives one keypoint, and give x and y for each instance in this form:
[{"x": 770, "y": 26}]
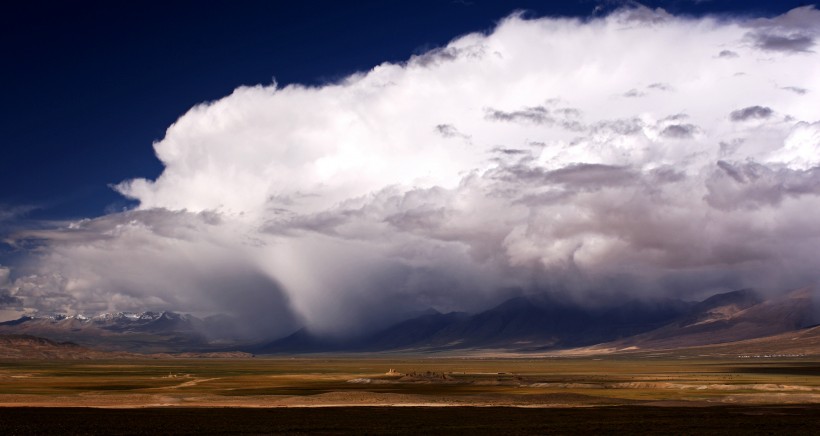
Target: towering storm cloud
[{"x": 635, "y": 154}]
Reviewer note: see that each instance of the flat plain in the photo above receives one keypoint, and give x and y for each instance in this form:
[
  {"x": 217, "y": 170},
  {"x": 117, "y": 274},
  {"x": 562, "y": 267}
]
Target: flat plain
[
  {"x": 421, "y": 381},
  {"x": 326, "y": 394}
]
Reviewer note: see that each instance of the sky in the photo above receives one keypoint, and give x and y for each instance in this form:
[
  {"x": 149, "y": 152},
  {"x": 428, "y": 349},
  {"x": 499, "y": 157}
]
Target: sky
[{"x": 341, "y": 166}]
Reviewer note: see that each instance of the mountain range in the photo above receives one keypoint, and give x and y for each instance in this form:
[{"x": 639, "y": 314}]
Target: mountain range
[
  {"x": 732, "y": 317},
  {"x": 539, "y": 323},
  {"x": 147, "y": 332}
]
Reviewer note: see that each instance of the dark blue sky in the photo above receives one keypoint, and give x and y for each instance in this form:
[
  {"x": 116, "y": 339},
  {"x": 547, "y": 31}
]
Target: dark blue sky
[{"x": 90, "y": 85}]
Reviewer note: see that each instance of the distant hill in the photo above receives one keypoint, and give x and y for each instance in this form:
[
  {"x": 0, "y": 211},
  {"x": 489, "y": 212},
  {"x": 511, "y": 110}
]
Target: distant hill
[
  {"x": 730, "y": 317},
  {"x": 541, "y": 323},
  {"x": 800, "y": 342},
  {"x": 27, "y": 347},
  {"x": 32, "y": 347},
  {"x": 523, "y": 324},
  {"x": 147, "y": 332}
]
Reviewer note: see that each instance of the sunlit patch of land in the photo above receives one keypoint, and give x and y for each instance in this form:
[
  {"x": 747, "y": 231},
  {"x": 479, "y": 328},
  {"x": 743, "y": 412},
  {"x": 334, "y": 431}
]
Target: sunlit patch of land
[{"x": 414, "y": 381}]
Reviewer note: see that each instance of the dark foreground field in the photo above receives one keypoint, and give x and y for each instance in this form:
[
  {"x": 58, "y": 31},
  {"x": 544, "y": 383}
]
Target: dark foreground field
[{"x": 413, "y": 420}]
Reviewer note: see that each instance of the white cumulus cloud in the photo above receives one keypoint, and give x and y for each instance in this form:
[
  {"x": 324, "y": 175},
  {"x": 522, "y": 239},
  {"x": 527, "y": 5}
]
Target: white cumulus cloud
[{"x": 637, "y": 153}]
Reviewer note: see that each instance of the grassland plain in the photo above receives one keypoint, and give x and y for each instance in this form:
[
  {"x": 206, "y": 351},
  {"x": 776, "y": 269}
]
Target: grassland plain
[{"x": 783, "y": 394}]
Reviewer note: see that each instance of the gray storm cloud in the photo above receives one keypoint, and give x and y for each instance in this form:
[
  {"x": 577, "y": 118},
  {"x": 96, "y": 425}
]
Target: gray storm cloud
[{"x": 634, "y": 154}]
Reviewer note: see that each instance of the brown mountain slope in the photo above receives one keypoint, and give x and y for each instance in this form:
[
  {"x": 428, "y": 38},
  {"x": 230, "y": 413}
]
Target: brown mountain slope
[
  {"x": 730, "y": 317},
  {"x": 33, "y": 347},
  {"x": 804, "y": 342},
  {"x": 27, "y": 347}
]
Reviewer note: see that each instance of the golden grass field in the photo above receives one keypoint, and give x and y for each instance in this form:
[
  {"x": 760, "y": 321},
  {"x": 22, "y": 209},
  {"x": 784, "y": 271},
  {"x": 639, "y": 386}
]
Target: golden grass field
[{"x": 420, "y": 381}]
